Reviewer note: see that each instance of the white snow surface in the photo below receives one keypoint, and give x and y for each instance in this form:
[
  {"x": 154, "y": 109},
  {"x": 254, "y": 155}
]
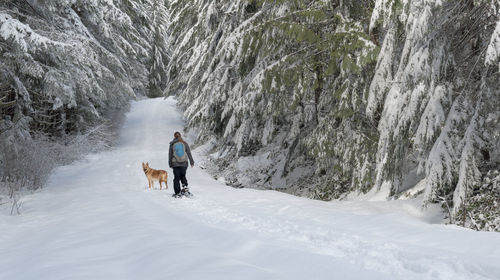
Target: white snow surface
[{"x": 97, "y": 220}]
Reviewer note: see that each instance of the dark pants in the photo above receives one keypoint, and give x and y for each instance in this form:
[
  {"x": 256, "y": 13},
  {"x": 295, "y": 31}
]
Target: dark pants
[{"x": 179, "y": 174}]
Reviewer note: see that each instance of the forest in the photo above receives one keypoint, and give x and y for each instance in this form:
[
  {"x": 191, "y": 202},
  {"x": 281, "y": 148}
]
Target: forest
[
  {"x": 330, "y": 99},
  {"x": 67, "y": 72}
]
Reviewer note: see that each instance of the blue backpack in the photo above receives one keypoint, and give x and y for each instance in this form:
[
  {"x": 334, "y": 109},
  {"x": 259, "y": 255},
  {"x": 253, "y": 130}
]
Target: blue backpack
[{"x": 180, "y": 152}]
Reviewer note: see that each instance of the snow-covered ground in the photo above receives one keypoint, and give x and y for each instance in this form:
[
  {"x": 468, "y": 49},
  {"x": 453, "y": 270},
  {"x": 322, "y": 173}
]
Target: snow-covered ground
[{"x": 96, "y": 220}]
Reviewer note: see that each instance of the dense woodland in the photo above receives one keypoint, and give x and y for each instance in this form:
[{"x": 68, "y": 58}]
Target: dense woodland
[
  {"x": 326, "y": 99},
  {"x": 67, "y": 72},
  {"x": 335, "y": 98}
]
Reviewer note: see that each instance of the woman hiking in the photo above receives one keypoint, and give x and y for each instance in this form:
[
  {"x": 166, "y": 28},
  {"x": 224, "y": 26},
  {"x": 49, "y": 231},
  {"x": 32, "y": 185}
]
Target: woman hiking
[{"x": 178, "y": 155}]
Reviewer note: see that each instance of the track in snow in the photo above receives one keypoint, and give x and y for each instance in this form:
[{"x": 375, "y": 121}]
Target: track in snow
[{"x": 96, "y": 220}]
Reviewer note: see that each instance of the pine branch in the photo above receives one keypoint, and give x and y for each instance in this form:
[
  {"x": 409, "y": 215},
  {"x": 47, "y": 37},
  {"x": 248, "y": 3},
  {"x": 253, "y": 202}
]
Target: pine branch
[
  {"x": 33, "y": 9},
  {"x": 6, "y": 104},
  {"x": 474, "y": 222},
  {"x": 47, "y": 122}
]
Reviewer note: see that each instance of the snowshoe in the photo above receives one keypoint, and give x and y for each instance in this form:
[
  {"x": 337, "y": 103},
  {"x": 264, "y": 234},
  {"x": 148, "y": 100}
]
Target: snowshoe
[
  {"x": 177, "y": 195},
  {"x": 185, "y": 192}
]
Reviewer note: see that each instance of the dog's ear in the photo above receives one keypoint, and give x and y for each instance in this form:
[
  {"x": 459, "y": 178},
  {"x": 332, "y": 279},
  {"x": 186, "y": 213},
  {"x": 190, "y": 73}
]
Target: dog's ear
[{"x": 147, "y": 164}]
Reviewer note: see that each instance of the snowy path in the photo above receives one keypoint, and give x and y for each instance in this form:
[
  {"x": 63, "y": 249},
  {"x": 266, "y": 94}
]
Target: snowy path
[{"x": 95, "y": 220}]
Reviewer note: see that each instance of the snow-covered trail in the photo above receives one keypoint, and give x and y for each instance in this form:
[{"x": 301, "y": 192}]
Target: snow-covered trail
[{"x": 96, "y": 220}]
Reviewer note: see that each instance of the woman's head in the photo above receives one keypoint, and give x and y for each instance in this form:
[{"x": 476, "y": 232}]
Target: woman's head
[{"x": 177, "y": 136}]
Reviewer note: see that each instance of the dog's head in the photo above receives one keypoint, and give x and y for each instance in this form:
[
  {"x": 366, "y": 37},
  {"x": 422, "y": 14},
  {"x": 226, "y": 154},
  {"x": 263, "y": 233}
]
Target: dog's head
[{"x": 145, "y": 167}]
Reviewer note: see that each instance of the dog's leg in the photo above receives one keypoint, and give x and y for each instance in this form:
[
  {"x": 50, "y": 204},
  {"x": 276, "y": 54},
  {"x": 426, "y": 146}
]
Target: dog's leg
[{"x": 160, "y": 183}]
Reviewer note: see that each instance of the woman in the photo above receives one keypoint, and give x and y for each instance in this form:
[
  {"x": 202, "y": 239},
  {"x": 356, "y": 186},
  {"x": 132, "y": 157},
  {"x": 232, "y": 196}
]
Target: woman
[{"x": 178, "y": 155}]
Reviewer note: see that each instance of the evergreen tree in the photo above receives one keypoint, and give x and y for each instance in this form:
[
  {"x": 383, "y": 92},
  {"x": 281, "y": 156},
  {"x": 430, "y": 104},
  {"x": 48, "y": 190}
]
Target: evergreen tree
[
  {"x": 159, "y": 55},
  {"x": 394, "y": 97},
  {"x": 65, "y": 66}
]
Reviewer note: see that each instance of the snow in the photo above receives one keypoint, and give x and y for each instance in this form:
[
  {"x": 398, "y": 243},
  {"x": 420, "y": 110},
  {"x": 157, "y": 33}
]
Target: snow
[
  {"x": 374, "y": 194},
  {"x": 432, "y": 118},
  {"x": 97, "y": 220},
  {"x": 493, "y": 51},
  {"x": 22, "y": 34}
]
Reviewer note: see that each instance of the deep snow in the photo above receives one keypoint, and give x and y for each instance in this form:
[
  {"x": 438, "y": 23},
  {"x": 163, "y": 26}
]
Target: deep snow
[{"x": 96, "y": 220}]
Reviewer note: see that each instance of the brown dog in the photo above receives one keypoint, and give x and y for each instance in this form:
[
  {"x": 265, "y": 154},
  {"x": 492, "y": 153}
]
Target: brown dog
[{"x": 153, "y": 174}]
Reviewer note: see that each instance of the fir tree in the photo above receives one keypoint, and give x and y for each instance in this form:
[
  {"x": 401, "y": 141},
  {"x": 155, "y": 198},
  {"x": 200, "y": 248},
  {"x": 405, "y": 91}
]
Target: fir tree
[{"x": 159, "y": 55}]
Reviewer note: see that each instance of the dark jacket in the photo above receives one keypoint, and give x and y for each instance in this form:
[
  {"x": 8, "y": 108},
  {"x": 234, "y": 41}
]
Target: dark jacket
[{"x": 171, "y": 161}]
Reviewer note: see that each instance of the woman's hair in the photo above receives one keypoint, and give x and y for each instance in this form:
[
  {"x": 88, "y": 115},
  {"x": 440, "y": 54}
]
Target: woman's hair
[{"x": 177, "y": 135}]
